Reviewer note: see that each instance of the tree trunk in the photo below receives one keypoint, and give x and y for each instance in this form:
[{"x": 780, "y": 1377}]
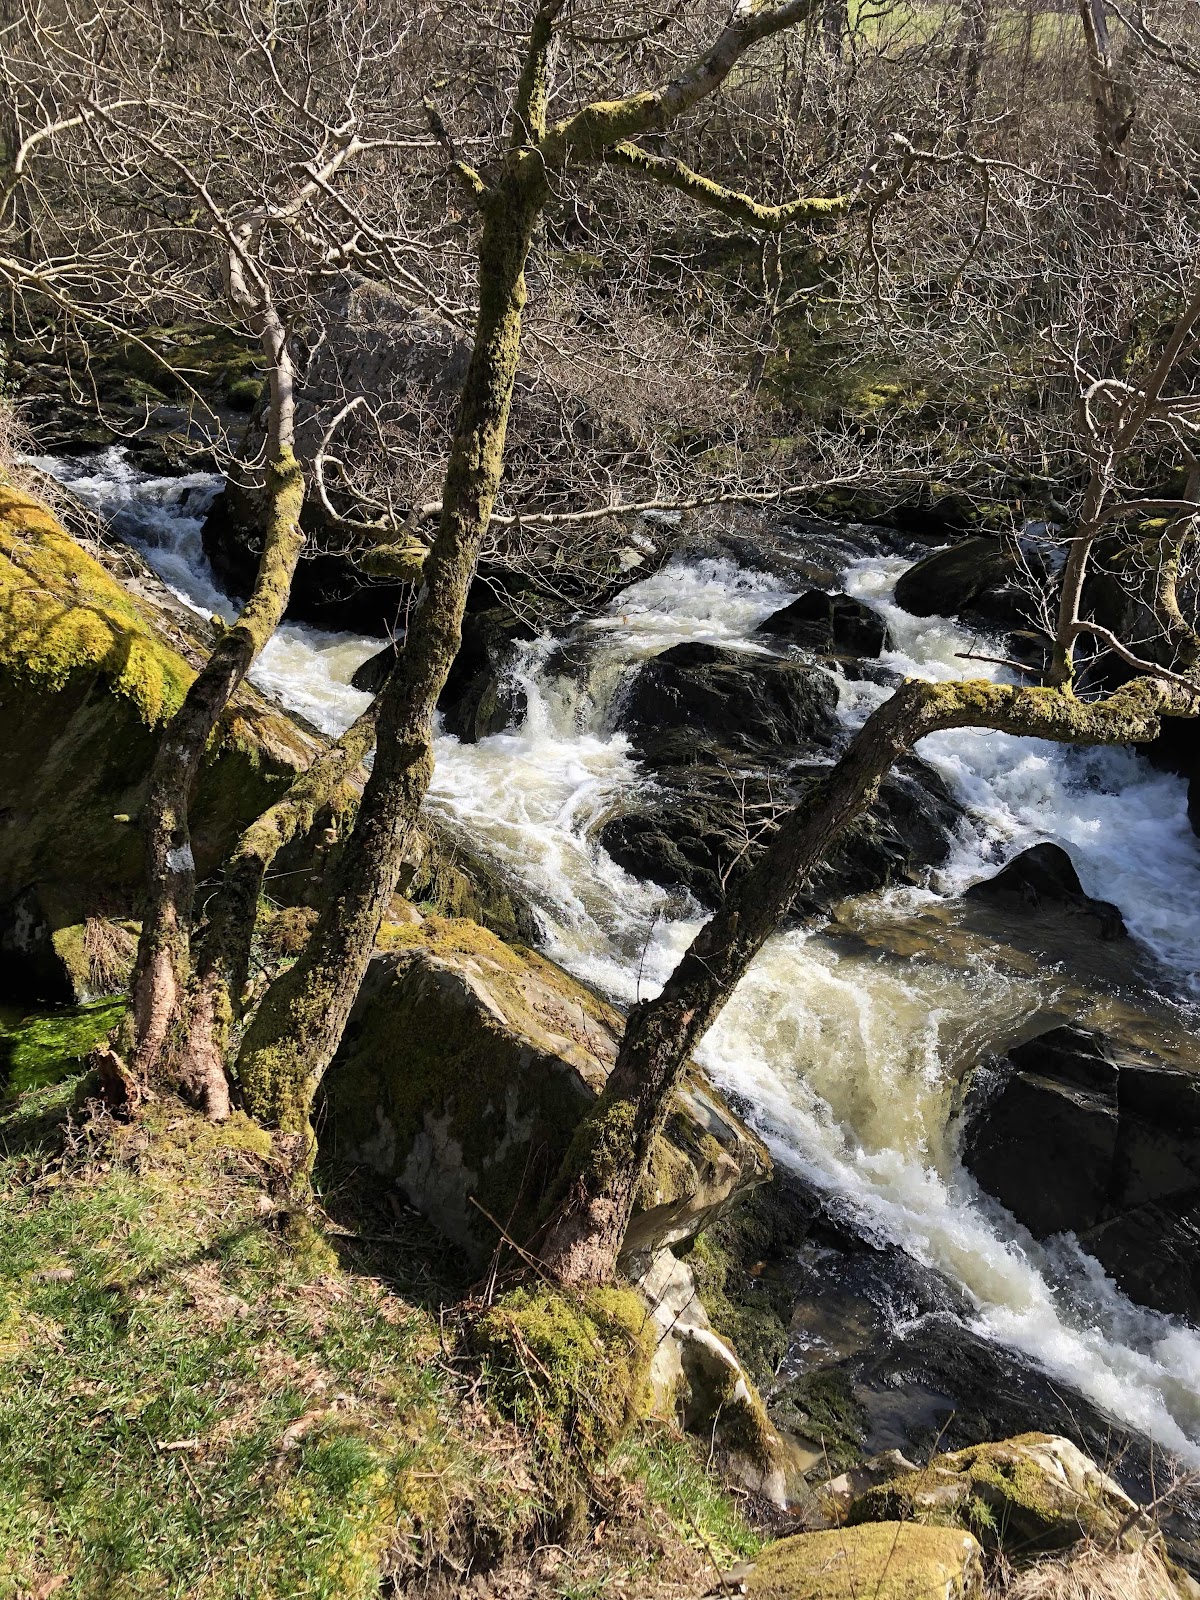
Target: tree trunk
[
  {"x": 610, "y": 1153},
  {"x": 162, "y": 960},
  {"x": 212, "y": 1007},
  {"x": 299, "y": 1025}
]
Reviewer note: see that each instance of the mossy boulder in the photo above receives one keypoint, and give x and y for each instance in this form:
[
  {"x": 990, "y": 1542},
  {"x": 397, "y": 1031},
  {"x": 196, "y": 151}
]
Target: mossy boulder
[
  {"x": 1032, "y": 1493},
  {"x": 87, "y": 680},
  {"x": 465, "y": 1069},
  {"x": 887, "y": 1561}
]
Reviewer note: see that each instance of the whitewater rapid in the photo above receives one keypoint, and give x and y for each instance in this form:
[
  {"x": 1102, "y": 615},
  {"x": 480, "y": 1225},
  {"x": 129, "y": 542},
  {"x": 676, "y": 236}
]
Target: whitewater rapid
[{"x": 849, "y": 1062}]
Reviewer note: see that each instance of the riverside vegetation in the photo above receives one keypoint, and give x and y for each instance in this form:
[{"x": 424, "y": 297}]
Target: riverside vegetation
[{"x": 383, "y": 1214}]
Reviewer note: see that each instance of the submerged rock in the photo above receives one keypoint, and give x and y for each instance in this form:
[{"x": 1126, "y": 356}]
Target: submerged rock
[
  {"x": 1044, "y": 878},
  {"x": 467, "y": 1064},
  {"x": 1072, "y": 1134},
  {"x": 882, "y": 1561},
  {"x": 90, "y": 670}
]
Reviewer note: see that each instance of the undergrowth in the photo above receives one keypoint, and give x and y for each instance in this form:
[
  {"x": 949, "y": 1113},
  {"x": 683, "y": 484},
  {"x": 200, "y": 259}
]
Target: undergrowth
[{"x": 192, "y": 1406}]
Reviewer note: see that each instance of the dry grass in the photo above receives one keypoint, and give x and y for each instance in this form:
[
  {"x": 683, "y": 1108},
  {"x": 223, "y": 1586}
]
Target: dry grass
[{"x": 1092, "y": 1572}]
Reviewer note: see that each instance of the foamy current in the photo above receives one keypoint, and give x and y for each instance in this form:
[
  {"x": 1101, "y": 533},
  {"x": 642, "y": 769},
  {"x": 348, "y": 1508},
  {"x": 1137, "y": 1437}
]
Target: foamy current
[{"x": 848, "y": 1061}]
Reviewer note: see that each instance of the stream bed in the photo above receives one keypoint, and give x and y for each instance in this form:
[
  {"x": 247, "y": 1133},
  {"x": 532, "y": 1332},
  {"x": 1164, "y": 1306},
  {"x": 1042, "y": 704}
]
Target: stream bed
[{"x": 845, "y": 1046}]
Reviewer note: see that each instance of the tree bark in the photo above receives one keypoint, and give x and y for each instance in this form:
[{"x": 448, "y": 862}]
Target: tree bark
[
  {"x": 610, "y": 1153},
  {"x": 299, "y": 1025},
  {"x": 212, "y": 1007},
  {"x": 163, "y": 948}
]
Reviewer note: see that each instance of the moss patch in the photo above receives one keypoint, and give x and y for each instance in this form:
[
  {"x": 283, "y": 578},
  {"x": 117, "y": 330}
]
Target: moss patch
[
  {"x": 573, "y": 1370},
  {"x": 821, "y": 1406},
  {"x": 61, "y": 613},
  {"x": 49, "y": 1046},
  {"x": 889, "y": 1561}
]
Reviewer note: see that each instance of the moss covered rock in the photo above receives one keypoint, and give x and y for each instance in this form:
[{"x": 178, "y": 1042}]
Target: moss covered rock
[
  {"x": 465, "y": 1068},
  {"x": 87, "y": 679},
  {"x": 887, "y": 1561},
  {"x": 1035, "y": 1492}
]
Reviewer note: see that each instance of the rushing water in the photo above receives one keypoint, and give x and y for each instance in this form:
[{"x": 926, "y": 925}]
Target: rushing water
[{"x": 849, "y": 1057}]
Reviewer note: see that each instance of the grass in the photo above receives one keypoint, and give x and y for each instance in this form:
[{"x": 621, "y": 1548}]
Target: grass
[{"x": 197, "y": 1400}]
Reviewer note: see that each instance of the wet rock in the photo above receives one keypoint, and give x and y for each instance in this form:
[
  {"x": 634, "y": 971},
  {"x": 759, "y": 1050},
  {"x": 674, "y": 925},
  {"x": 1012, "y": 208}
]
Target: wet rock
[
  {"x": 1044, "y": 877},
  {"x": 1072, "y": 1134},
  {"x": 1034, "y": 1493},
  {"x": 480, "y": 696},
  {"x": 829, "y": 624},
  {"x": 706, "y": 819},
  {"x": 886, "y": 1561},
  {"x": 734, "y": 699},
  {"x": 89, "y": 671},
  {"x": 467, "y": 1064},
  {"x": 975, "y": 573}
]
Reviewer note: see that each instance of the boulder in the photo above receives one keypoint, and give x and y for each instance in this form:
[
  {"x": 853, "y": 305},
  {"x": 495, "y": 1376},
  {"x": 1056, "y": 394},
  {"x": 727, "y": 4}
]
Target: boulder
[
  {"x": 733, "y": 739},
  {"x": 885, "y": 1561},
  {"x": 90, "y": 669},
  {"x": 1073, "y": 1134},
  {"x": 1033, "y": 1493},
  {"x": 467, "y": 1064},
  {"x": 705, "y": 819},
  {"x": 480, "y": 696},
  {"x": 740, "y": 701},
  {"x": 1044, "y": 878},
  {"x": 828, "y": 624},
  {"x": 964, "y": 575}
]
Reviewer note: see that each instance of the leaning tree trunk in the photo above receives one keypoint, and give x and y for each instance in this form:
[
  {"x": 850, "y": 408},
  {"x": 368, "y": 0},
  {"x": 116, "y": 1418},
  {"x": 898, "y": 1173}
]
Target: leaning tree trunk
[
  {"x": 163, "y": 949},
  {"x": 610, "y": 1153},
  {"x": 299, "y": 1025},
  {"x": 212, "y": 1007}
]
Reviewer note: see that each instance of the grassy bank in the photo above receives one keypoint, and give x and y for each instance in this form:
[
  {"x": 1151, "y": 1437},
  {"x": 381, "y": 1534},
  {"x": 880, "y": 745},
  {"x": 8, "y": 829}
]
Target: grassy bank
[{"x": 196, "y": 1399}]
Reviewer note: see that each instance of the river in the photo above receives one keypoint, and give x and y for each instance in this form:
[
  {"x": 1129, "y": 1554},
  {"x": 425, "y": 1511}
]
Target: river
[{"x": 848, "y": 1051}]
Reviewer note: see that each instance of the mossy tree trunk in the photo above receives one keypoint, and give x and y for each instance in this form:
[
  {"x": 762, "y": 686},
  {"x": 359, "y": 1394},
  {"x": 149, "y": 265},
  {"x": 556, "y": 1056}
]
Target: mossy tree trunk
[
  {"x": 610, "y": 1154},
  {"x": 163, "y": 950},
  {"x": 212, "y": 1007},
  {"x": 296, "y": 1031}
]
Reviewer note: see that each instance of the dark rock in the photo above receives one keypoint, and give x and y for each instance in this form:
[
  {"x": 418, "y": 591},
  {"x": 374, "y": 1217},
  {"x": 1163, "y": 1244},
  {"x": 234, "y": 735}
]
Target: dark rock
[
  {"x": 1044, "y": 877},
  {"x": 950, "y": 580},
  {"x": 1045, "y": 1150},
  {"x": 743, "y": 702},
  {"x": 373, "y": 674},
  {"x": 830, "y": 624},
  {"x": 703, "y": 823},
  {"x": 1153, "y": 1252},
  {"x": 481, "y": 696},
  {"x": 1079, "y": 1136}
]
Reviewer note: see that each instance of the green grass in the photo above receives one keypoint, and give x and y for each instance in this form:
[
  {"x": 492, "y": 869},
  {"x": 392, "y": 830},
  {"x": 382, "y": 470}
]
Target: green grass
[
  {"x": 196, "y": 1400},
  {"x": 187, "y": 1406}
]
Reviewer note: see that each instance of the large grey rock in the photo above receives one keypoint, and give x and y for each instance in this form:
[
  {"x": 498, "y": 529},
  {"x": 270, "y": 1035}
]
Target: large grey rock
[
  {"x": 465, "y": 1068},
  {"x": 1043, "y": 878}
]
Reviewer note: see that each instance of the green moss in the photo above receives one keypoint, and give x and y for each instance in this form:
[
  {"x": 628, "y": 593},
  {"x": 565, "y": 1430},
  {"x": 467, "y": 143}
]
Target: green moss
[
  {"x": 890, "y": 1561},
  {"x": 679, "y": 1480},
  {"x": 244, "y": 394},
  {"x": 62, "y": 614},
  {"x": 575, "y": 1371},
  {"x": 1003, "y": 1493},
  {"x": 49, "y": 1046}
]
